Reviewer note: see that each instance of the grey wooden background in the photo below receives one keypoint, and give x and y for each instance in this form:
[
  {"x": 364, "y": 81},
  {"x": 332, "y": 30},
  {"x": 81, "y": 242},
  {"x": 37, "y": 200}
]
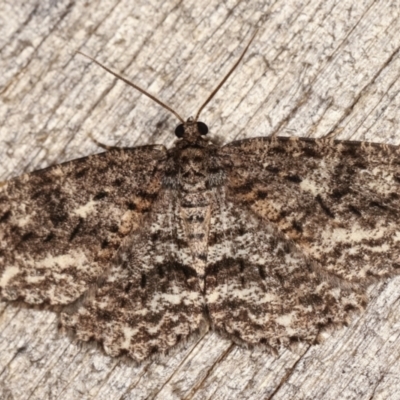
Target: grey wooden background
[{"x": 316, "y": 66}]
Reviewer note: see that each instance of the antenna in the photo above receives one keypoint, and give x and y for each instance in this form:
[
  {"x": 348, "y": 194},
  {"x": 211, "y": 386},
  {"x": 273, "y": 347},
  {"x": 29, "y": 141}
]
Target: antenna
[
  {"x": 162, "y": 104},
  {"x": 136, "y": 87},
  {"x": 225, "y": 78}
]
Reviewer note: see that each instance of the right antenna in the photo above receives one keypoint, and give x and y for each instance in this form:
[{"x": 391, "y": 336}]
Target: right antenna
[{"x": 225, "y": 78}]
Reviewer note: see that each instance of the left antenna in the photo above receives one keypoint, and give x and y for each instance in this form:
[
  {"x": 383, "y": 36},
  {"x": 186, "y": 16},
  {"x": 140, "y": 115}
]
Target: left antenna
[{"x": 162, "y": 104}]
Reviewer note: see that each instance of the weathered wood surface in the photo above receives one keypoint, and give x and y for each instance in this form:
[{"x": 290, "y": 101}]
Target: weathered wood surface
[{"x": 314, "y": 67}]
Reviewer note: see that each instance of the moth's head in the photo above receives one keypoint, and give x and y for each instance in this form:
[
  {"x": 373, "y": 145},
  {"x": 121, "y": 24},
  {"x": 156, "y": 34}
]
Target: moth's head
[{"x": 191, "y": 130}]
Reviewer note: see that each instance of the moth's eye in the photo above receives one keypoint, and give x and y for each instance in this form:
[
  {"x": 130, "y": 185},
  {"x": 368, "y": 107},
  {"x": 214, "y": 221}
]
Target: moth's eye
[
  {"x": 179, "y": 131},
  {"x": 203, "y": 128}
]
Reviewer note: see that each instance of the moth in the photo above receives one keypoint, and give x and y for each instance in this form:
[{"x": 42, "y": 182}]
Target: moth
[{"x": 269, "y": 241}]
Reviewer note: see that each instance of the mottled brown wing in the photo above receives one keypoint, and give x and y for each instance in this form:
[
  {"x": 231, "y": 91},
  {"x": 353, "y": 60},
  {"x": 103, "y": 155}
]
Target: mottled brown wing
[
  {"x": 60, "y": 227},
  {"x": 149, "y": 299},
  {"x": 338, "y": 201},
  {"x": 261, "y": 289},
  {"x": 302, "y": 228}
]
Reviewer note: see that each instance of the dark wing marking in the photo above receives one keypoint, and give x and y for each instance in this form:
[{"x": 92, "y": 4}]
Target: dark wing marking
[
  {"x": 338, "y": 201},
  {"x": 150, "y": 297},
  {"x": 60, "y": 226}
]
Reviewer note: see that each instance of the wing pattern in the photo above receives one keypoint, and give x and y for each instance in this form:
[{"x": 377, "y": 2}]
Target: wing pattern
[
  {"x": 262, "y": 289},
  {"x": 59, "y": 227},
  {"x": 336, "y": 200},
  {"x": 303, "y": 227},
  {"x": 149, "y": 299},
  {"x": 295, "y": 231}
]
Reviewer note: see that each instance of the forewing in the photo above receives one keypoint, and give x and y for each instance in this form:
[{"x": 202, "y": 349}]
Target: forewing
[
  {"x": 60, "y": 227},
  {"x": 150, "y": 298},
  {"x": 260, "y": 287},
  {"x": 338, "y": 201}
]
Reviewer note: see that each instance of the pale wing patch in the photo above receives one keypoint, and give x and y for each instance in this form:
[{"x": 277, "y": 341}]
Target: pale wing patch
[
  {"x": 307, "y": 185},
  {"x": 86, "y": 209},
  {"x": 8, "y": 274},
  {"x": 76, "y": 259}
]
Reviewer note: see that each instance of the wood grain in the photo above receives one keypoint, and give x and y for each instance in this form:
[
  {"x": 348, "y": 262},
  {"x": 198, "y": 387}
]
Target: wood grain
[{"x": 315, "y": 67}]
